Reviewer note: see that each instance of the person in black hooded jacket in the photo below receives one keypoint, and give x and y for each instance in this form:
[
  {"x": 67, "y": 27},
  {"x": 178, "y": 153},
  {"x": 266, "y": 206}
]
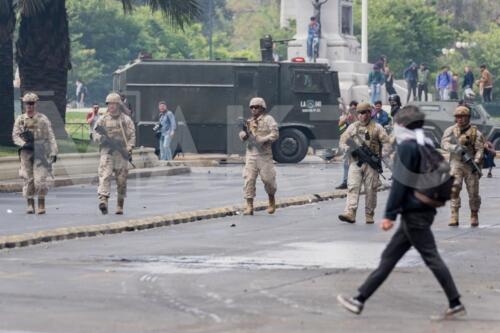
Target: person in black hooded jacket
[{"x": 416, "y": 219}]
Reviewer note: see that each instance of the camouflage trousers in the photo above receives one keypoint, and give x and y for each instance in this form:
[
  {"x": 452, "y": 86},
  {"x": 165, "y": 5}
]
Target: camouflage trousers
[
  {"x": 34, "y": 175},
  {"x": 463, "y": 173},
  {"x": 110, "y": 164},
  {"x": 259, "y": 165},
  {"x": 364, "y": 175}
]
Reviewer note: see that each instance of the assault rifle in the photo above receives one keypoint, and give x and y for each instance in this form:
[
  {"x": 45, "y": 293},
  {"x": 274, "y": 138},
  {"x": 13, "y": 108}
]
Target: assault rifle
[
  {"x": 466, "y": 157},
  {"x": 243, "y": 125},
  {"x": 113, "y": 145},
  {"x": 365, "y": 155}
]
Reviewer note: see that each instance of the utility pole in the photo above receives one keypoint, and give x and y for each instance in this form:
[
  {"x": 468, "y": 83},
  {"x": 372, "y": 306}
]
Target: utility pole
[
  {"x": 210, "y": 29},
  {"x": 364, "y": 31}
]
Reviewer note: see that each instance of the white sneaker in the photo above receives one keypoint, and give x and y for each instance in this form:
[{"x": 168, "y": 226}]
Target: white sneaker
[{"x": 350, "y": 304}]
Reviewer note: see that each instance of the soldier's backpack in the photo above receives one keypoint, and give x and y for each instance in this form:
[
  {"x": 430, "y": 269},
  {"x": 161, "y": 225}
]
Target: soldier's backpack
[{"x": 434, "y": 184}]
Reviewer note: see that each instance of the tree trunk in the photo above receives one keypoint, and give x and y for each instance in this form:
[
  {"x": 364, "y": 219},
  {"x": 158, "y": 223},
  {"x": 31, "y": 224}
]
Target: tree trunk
[
  {"x": 7, "y": 24},
  {"x": 43, "y": 56}
]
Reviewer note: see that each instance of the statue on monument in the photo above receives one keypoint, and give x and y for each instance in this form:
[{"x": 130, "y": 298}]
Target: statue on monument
[{"x": 317, "y": 9}]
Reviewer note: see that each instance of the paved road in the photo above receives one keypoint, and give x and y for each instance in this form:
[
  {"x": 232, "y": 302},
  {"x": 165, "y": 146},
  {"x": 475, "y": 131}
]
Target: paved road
[
  {"x": 263, "y": 273},
  {"x": 203, "y": 188}
]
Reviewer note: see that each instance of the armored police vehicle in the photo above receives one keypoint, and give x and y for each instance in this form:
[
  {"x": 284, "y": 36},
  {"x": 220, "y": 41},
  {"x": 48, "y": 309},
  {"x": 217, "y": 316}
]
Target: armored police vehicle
[
  {"x": 439, "y": 116},
  {"x": 209, "y": 98}
]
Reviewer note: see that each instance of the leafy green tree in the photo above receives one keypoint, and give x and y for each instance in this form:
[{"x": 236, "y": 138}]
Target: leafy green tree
[
  {"x": 484, "y": 48},
  {"x": 43, "y": 47},
  {"x": 405, "y": 31}
]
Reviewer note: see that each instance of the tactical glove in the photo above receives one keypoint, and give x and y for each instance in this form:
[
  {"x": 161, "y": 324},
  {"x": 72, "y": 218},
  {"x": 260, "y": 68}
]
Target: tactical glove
[{"x": 243, "y": 135}]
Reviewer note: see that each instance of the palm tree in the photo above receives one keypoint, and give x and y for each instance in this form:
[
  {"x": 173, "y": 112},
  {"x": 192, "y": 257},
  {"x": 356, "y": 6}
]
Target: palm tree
[
  {"x": 7, "y": 24},
  {"x": 8, "y": 10},
  {"x": 43, "y": 48}
]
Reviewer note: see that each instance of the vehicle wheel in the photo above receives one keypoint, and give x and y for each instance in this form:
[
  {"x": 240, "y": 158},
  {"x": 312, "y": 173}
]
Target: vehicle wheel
[
  {"x": 496, "y": 144},
  {"x": 291, "y": 147}
]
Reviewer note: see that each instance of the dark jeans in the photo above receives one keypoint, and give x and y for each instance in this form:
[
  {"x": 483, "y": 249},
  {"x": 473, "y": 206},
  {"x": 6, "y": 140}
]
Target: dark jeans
[
  {"x": 487, "y": 94},
  {"x": 414, "y": 230},
  {"x": 422, "y": 88},
  {"x": 412, "y": 89}
]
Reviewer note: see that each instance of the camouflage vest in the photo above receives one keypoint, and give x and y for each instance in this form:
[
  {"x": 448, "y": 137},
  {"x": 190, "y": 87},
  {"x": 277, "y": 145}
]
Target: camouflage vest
[
  {"x": 35, "y": 126},
  {"x": 471, "y": 133},
  {"x": 369, "y": 136},
  {"x": 115, "y": 127}
]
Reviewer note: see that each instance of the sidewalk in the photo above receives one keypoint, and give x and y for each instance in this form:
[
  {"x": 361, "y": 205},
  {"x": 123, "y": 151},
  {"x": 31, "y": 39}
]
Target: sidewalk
[
  {"x": 9, "y": 186},
  {"x": 159, "y": 201}
]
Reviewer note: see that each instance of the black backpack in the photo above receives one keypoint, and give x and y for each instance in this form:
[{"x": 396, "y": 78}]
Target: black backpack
[{"x": 434, "y": 184}]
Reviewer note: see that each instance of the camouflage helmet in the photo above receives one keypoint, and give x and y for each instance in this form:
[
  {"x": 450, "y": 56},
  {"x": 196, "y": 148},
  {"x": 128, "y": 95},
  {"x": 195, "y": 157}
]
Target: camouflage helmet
[
  {"x": 30, "y": 97},
  {"x": 363, "y": 107},
  {"x": 113, "y": 98},
  {"x": 462, "y": 111},
  {"x": 258, "y": 101}
]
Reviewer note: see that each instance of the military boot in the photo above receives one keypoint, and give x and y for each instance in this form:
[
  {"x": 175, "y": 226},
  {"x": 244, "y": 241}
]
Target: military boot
[
  {"x": 369, "y": 218},
  {"x": 119, "y": 206},
  {"x": 474, "y": 219},
  {"x": 454, "y": 218},
  {"x": 249, "y": 207},
  {"x": 272, "y": 204},
  {"x": 31, "y": 206},
  {"x": 103, "y": 205},
  {"x": 41, "y": 206},
  {"x": 349, "y": 217}
]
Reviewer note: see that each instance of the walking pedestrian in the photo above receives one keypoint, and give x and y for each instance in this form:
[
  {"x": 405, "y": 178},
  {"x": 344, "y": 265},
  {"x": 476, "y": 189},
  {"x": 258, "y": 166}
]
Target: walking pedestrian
[
  {"x": 375, "y": 81},
  {"x": 366, "y": 132},
  {"x": 38, "y": 151},
  {"x": 468, "y": 84},
  {"x": 487, "y": 83},
  {"x": 411, "y": 74},
  {"x": 423, "y": 81},
  {"x": 489, "y": 157},
  {"x": 261, "y": 131},
  {"x": 443, "y": 83},
  {"x": 416, "y": 220},
  {"x": 460, "y": 140},
  {"x": 389, "y": 81},
  {"x": 454, "y": 87},
  {"x": 115, "y": 150},
  {"x": 92, "y": 118},
  {"x": 345, "y": 120},
  {"x": 166, "y": 130}
]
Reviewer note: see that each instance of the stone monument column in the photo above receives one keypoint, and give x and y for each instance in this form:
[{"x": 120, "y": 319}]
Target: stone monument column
[
  {"x": 337, "y": 40},
  {"x": 338, "y": 46}
]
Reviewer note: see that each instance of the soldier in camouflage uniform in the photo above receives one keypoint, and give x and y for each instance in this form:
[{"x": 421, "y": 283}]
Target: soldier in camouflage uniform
[
  {"x": 374, "y": 136},
  {"x": 463, "y": 140},
  {"x": 115, "y": 150},
  {"x": 261, "y": 132},
  {"x": 38, "y": 150}
]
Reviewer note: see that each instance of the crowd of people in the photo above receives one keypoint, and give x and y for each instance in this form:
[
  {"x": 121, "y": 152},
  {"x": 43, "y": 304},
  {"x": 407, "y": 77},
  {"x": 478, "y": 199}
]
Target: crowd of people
[{"x": 448, "y": 84}]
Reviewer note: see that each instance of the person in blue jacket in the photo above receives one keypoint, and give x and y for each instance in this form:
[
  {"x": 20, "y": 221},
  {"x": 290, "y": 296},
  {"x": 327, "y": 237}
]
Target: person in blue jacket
[
  {"x": 166, "y": 129},
  {"x": 379, "y": 115}
]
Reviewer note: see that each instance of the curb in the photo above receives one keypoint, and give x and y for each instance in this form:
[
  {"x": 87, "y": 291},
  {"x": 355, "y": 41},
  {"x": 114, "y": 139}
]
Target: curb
[
  {"x": 93, "y": 178},
  {"x": 23, "y": 240}
]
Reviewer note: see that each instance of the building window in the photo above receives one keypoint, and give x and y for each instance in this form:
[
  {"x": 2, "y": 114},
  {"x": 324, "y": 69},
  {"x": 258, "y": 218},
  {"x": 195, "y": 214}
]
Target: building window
[{"x": 346, "y": 19}]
